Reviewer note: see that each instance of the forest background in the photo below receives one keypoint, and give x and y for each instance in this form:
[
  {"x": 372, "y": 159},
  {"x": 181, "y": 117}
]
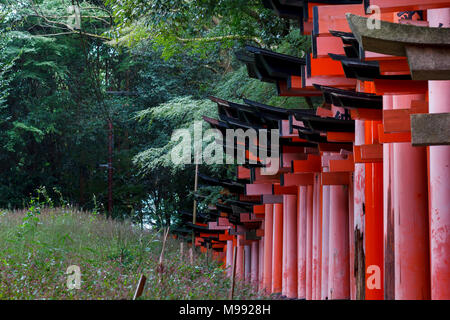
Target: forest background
[{"x": 74, "y": 72}]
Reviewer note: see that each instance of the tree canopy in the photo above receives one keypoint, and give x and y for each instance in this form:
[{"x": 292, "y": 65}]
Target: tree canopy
[{"x": 70, "y": 69}]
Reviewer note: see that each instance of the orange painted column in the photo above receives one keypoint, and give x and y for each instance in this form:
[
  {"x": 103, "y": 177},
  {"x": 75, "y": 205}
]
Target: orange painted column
[
  {"x": 254, "y": 263},
  {"x": 309, "y": 240},
  {"x": 261, "y": 264},
  {"x": 290, "y": 207},
  {"x": 412, "y": 267},
  {"x": 319, "y": 237},
  {"x": 351, "y": 237},
  {"x": 339, "y": 271},
  {"x": 277, "y": 258},
  {"x": 316, "y": 273},
  {"x": 268, "y": 245},
  {"x": 240, "y": 259},
  {"x": 388, "y": 213},
  {"x": 439, "y": 182},
  {"x": 285, "y": 273},
  {"x": 325, "y": 239},
  {"x": 247, "y": 263},
  {"x": 301, "y": 244},
  {"x": 374, "y": 220},
  {"x": 359, "y": 181},
  {"x": 229, "y": 263}
]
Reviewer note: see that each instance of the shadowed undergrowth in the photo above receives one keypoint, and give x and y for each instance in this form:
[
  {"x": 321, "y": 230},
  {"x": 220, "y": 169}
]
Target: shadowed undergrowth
[{"x": 38, "y": 245}]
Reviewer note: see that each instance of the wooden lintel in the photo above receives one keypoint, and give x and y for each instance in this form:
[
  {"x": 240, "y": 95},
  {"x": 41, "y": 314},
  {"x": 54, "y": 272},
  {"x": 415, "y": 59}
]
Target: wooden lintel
[
  {"x": 313, "y": 164},
  {"x": 389, "y": 87},
  {"x": 259, "y": 209},
  {"x": 406, "y": 5},
  {"x": 334, "y": 147},
  {"x": 225, "y": 237},
  {"x": 270, "y": 198},
  {"x": 258, "y": 189},
  {"x": 366, "y": 114},
  {"x": 243, "y": 197},
  {"x": 368, "y": 153},
  {"x": 340, "y": 136},
  {"x": 392, "y": 137},
  {"x": 277, "y": 189},
  {"x": 398, "y": 120},
  {"x": 298, "y": 179},
  {"x": 259, "y": 215},
  {"x": 335, "y": 178},
  {"x": 347, "y": 165}
]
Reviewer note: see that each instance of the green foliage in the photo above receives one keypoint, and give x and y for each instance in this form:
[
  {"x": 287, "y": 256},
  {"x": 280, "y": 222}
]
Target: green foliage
[
  {"x": 197, "y": 26},
  {"x": 144, "y": 66},
  {"x": 34, "y": 266}
]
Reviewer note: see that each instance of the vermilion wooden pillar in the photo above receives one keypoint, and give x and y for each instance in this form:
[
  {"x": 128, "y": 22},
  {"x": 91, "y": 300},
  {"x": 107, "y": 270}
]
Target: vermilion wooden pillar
[
  {"x": 261, "y": 264},
  {"x": 247, "y": 263},
  {"x": 374, "y": 221},
  {"x": 285, "y": 273},
  {"x": 301, "y": 245},
  {"x": 412, "y": 267},
  {"x": 316, "y": 273},
  {"x": 339, "y": 273},
  {"x": 290, "y": 207},
  {"x": 325, "y": 239},
  {"x": 439, "y": 182},
  {"x": 319, "y": 231},
  {"x": 358, "y": 213},
  {"x": 254, "y": 263},
  {"x": 277, "y": 260},
  {"x": 388, "y": 212},
  {"x": 351, "y": 236},
  {"x": 268, "y": 245},
  {"x": 309, "y": 240},
  {"x": 240, "y": 259},
  {"x": 229, "y": 257}
]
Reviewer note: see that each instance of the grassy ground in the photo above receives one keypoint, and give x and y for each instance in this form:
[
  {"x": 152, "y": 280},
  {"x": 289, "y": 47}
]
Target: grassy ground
[{"x": 38, "y": 245}]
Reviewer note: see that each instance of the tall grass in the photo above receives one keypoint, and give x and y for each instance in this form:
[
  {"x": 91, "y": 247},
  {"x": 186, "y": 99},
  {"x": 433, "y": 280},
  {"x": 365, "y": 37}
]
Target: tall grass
[{"x": 39, "y": 244}]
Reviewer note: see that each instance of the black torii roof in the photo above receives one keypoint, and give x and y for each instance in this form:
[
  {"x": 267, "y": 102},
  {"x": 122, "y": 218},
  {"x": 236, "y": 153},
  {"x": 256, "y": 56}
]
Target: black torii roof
[
  {"x": 226, "y": 183},
  {"x": 251, "y": 115},
  {"x": 364, "y": 70},
  {"x": 328, "y": 124},
  {"x": 351, "y": 45},
  {"x": 238, "y": 111},
  {"x": 238, "y": 124},
  {"x": 350, "y": 99},
  {"x": 217, "y": 124},
  {"x": 199, "y": 229},
  {"x": 269, "y": 66},
  {"x": 247, "y": 204},
  {"x": 253, "y": 69},
  {"x": 200, "y": 216}
]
